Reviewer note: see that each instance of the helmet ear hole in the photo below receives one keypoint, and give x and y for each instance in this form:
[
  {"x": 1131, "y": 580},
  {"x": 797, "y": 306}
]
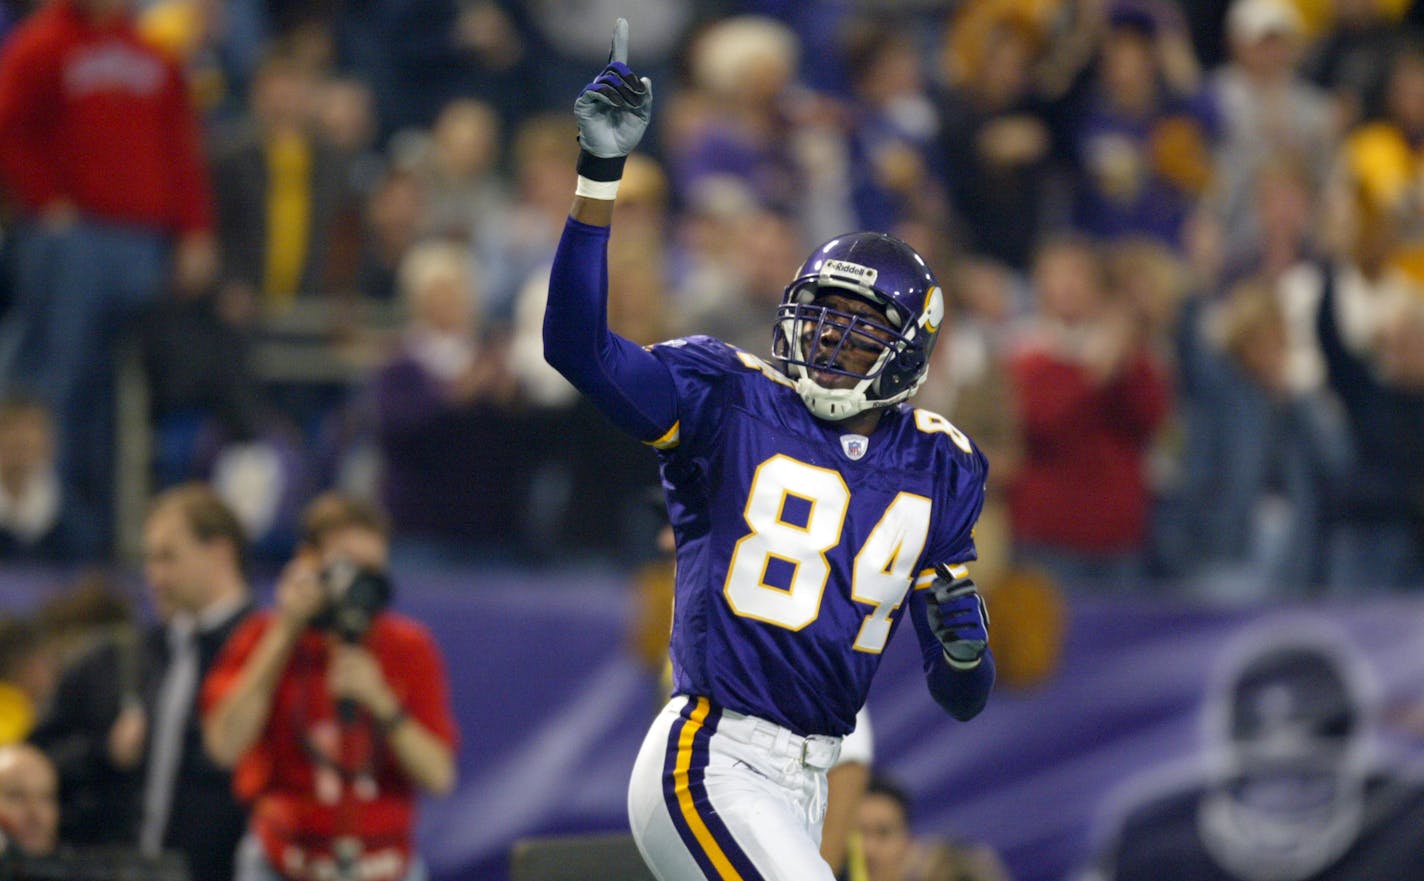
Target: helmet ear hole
[{"x": 912, "y": 359}]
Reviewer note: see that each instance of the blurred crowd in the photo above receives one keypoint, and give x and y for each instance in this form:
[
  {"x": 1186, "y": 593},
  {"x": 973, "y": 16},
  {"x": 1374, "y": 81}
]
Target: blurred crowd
[{"x": 1184, "y": 243}]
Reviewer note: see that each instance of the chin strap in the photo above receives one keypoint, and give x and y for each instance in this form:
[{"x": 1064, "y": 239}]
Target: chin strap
[
  {"x": 833, "y": 404},
  {"x": 841, "y": 403}
]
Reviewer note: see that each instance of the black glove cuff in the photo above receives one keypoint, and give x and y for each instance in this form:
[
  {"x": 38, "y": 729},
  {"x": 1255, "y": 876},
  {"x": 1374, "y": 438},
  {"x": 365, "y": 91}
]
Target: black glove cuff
[{"x": 600, "y": 168}]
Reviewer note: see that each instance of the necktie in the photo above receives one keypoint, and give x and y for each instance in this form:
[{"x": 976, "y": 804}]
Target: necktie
[{"x": 175, "y": 701}]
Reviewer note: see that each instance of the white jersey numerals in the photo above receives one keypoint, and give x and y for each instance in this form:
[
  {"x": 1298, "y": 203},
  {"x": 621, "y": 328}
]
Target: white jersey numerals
[
  {"x": 778, "y": 571},
  {"x": 796, "y": 512},
  {"x": 885, "y": 566},
  {"x": 930, "y": 422}
]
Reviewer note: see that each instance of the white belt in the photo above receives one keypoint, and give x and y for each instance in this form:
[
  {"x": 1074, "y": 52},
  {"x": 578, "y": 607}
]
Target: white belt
[{"x": 814, "y": 751}]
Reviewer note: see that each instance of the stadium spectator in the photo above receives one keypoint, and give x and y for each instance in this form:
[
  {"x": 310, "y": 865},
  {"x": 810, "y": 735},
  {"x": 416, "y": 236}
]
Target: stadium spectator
[
  {"x": 391, "y": 227},
  {"x": 281, "y": 190},
  {"x": 419, "y": 57},
  {"x": 1381, "y": 162},
  {"x": 996, "y": 145},
  {"x": 29, "y": 801},
  {"x": 892, "y": 852},
  {"x": 1258, "y": 451},
  {"x": 28, "y": 671},
  {"x": 40, "y": 520},
  {"x": 444, "y": 415},
  {"x": 1245, "y": 429},
  {"x": 1268, "y": 112},
  {"x": 745, "y": 118},
  {"x": 968, "y": 384},
  {"x": 1141, "y": 146},
  {"x": 1371, "y": 327},
  {"x": 733, "y": 299},
  {"x": 123, "y": 729},
  {"x": 99, "y": 145},
  {"x": 99, "y": 801},
  {"x": 892, "y": 129},
  {"x": 523, "y": 244},
  {"x": 346, "y": 119},
  {"x": 1350, "y": 61},
  {"x": 98, "y": 804},
  {"x": 458, "y": 166},
  {"x": 334, "y": 711},
  {"x": 1089, "y": 396}
]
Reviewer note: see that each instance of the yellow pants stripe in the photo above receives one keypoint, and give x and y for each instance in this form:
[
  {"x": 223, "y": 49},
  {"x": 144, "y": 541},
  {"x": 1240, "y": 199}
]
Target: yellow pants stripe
[{"x": 683, "y": 786}]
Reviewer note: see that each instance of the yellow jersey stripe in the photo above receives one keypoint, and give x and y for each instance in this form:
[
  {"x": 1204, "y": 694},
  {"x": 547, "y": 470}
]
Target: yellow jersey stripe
[
  {"x": 669, "y": 438},
  {"x": 927, "y": 576}
]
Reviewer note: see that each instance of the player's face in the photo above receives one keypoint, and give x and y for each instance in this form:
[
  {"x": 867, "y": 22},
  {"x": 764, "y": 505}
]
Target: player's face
[
  {"x": 884, "y": 837},
  {"x": 828, "y": 342}
]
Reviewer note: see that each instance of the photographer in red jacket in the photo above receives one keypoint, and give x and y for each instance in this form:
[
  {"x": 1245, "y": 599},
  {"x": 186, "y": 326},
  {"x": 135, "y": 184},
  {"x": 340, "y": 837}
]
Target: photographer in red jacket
[{"x": 334, "y": 710}]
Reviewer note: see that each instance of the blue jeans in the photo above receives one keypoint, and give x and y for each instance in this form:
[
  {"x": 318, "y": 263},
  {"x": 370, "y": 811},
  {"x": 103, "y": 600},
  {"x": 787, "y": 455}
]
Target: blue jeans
[
  {"x": 1374, "y": 556},
  {"x": 76, "y": 290},
  {"x": 252, "y": 864}
]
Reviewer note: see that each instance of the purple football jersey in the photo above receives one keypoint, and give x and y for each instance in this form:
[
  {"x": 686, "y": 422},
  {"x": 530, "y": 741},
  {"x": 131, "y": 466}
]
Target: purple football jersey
[{"x": 799, "y": 545}]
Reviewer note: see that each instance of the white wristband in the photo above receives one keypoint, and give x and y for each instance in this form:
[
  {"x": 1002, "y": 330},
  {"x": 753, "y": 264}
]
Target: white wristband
[{"x": 596, "y": 189}]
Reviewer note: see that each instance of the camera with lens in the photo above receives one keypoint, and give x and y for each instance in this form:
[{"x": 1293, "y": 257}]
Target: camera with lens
[{"x": 356, "y": 594}]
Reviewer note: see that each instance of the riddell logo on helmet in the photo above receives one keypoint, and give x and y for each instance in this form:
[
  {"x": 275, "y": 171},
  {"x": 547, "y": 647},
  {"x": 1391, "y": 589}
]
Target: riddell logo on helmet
[{"x": 862, "y": 274}]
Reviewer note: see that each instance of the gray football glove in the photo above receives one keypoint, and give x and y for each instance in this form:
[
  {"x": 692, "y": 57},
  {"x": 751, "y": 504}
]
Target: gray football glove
[
  {"x": 960, "y": 620},
  {"x": 613, "y": 110}
]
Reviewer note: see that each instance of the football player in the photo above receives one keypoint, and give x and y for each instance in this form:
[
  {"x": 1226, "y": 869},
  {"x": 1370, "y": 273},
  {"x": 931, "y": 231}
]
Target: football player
[{"x": 814, "y": 511}]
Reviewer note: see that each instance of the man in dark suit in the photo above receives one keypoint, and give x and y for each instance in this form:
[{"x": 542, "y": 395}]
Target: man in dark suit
[{"x": 124, "y": 730}]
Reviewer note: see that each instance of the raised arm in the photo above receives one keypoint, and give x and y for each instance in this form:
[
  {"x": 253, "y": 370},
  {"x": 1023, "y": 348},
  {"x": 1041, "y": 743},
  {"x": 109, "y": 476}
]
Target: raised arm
[
  {"x": 251, "y": 664},
  {"x": 623, "y": 380}
]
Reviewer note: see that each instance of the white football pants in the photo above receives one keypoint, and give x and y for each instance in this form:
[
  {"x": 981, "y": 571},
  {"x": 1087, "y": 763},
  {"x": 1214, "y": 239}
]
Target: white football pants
[{"x": 722, "y": 796}]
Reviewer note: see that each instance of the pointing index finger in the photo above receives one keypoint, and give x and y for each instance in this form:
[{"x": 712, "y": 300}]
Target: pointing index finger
[{"x": 619, "y": 51}]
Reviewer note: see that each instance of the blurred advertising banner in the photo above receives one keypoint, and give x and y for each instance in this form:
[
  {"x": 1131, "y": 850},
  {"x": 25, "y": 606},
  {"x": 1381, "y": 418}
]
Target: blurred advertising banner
[
  {"x": 1129, "y": 738},
  {"x": 1168, "y": 740}
]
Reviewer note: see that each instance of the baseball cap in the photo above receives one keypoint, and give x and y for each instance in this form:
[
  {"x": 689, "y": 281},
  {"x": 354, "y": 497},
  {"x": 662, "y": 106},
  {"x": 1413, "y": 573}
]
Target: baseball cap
[{"x": 1251, "y": 20}]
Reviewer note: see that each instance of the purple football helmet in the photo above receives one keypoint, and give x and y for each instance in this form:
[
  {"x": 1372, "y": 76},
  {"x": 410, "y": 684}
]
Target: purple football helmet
[{"x": 885, "y": 272}]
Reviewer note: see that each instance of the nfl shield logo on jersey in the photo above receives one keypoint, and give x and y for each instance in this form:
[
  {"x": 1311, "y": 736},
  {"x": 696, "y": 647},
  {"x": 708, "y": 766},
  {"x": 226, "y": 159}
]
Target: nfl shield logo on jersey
[{"x": 854, "y": 445}]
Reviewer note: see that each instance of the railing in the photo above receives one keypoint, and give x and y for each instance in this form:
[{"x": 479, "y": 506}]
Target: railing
[{"x": 316, "y": 341}]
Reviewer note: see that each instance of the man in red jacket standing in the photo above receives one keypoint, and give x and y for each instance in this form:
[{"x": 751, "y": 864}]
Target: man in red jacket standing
[{"x": 100, "y": 149}]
